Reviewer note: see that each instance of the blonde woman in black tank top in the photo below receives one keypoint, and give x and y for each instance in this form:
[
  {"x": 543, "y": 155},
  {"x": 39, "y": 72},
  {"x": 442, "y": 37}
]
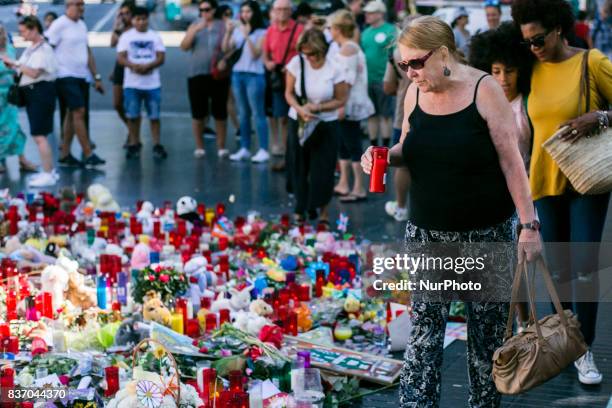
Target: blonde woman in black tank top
[{"x": 459, "y": 143}]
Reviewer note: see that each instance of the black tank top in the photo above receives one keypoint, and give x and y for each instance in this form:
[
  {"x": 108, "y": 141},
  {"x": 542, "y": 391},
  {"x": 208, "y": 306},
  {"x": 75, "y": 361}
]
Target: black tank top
[{"x": 456, "y": 181}]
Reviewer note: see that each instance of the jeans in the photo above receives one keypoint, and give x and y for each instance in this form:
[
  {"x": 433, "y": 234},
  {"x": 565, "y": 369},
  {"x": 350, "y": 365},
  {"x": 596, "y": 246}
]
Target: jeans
[
  {"x": 249, "y": 91},
  {"x": 133, "y": 99},
  {"x": 576, "y": 218}
]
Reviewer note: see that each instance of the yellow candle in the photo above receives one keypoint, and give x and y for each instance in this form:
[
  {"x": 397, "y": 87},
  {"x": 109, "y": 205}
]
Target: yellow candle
[
  {"x": 176, "y": 322},
  {"x": 210, "y": 214}
]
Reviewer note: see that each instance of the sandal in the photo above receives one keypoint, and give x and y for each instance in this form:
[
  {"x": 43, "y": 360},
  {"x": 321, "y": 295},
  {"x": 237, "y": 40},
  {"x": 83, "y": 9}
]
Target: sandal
[
  {"x": 351, "y": 198},
  {"x": 340, "y": 193}
]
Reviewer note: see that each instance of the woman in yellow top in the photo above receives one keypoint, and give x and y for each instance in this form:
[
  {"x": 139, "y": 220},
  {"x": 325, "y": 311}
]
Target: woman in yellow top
[{"x": 555, "y": 100}]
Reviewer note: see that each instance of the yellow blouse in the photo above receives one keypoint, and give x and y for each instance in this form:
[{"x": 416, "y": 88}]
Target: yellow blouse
[{"x": 555, "y": 90}]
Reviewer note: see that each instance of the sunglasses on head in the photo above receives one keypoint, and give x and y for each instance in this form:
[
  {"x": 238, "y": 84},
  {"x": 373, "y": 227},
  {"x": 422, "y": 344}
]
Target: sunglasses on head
[
  {"x": 417, "y": 63},
  {"x": 537, "y": 41}
]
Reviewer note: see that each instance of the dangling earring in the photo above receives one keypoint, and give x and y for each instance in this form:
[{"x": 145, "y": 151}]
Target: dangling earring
[{"x": 446, "y": 71}]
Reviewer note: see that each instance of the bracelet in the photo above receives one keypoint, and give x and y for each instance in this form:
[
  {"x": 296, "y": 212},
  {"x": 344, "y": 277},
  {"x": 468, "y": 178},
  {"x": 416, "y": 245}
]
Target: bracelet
[{"x": 603, "y": 120}]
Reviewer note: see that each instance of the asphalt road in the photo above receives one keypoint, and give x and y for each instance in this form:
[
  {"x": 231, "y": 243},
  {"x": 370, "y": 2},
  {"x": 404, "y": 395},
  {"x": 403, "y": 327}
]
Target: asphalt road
[{"x": 99, "y": 18}]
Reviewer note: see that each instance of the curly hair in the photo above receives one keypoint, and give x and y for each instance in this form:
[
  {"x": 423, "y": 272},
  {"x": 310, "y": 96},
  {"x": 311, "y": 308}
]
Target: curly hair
[
  {"x": 549, "y": 13},
  {"x": 502, "y": 45}
]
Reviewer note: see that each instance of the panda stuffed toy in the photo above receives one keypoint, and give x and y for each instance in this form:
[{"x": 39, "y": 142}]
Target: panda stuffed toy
[{"x": 187, "y": 209}]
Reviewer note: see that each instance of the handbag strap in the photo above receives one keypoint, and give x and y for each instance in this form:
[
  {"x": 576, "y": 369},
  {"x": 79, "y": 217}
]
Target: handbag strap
[
  {"x": 585, "y": 84},
  {"x": 303, "y": 80},
  {"x": 284, "y": 60},
  {"x": 522, "y": 271}
]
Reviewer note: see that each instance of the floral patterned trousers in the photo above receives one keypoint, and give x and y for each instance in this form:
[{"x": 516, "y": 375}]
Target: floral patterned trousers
[{"x": 420, "y": 379}]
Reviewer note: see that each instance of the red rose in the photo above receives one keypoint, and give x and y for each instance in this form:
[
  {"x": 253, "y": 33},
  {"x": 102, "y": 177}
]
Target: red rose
[
  {"x": 271, "y": 334},
  {"x": 164, "y": 278},
  {"x": 158, "y": 269},
  {"x": 151, "y": 278},
  {"x": 203, "y": 350}
]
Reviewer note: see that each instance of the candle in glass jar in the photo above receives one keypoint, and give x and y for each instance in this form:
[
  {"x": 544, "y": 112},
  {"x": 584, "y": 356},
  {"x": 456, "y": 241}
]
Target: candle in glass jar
[
  {"x": 112, "y": 380},
  {"x": 176, "y": 322}
]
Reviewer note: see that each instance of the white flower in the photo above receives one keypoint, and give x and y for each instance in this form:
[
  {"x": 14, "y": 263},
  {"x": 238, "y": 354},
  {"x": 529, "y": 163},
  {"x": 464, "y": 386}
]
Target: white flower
[{"x": 190, "y": 397}]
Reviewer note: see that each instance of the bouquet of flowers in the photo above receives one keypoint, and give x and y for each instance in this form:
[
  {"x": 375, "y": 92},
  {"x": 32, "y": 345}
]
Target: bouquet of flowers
[{"x": 165, "y": 280}]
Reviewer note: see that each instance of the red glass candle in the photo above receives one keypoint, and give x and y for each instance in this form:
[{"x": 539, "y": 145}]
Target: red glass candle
[
  {"x": 211, "y": 322},
  {"x": 7, "y": 378},
  {"x": 220, "y": 210},
  {"x": 116, "y": 306},
  {"x": 112, "y": 380},
  {"x": 290, "y": 324},
  {"x": 193, "y": 328},
  {"x": 283, "y": 296},
  {"x": 205, "y": 302},
  {"x": 47, "y": 305},
  {"x": 223, "y": 244},
  {"x": 10, "y": 344},
  {"x": 209, "y": 376},
  {"x": 156, "y": 228},
  {"x": 181, "y": 307},
  {"x": 236, "y": 381},
  {"x": 284, "y": 220},
  {"x": 224, "y": 316},
  {"x": 5, "y": 330},
  {"x": 11, "y": 306},
  {"x": 181, "y": 227}
]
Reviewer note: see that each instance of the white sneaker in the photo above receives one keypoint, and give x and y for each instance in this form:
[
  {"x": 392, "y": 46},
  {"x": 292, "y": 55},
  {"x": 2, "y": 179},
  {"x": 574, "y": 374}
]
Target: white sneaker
[
  {"x": 261, "y": 156},
  {"x": 221, "y": 153},
  {"x": 242, "y": 154},
  {"x": 390, "y": 207},
  {"x": 401, "y": 214},
  {"x": 398, "y": 213},
  {"x": 587, "y": 370},
  {"x": 43, "y": 179},
  {"x": 199, "y": 153}
]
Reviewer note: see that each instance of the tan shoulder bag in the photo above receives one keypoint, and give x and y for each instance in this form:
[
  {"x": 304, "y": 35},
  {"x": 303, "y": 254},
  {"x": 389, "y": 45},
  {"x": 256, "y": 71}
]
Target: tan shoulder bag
[{"x": 544, "y": 348}]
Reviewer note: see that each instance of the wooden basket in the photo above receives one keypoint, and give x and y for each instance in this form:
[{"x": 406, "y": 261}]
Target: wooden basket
[
  {"x": 176, "y": 395},
  {"x": 586, "y": 163}
]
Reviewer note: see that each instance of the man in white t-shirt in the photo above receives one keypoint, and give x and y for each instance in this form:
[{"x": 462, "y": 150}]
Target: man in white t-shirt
[
  {"x": 142, "y": 52},
  {"x": 68, "y": 36}
]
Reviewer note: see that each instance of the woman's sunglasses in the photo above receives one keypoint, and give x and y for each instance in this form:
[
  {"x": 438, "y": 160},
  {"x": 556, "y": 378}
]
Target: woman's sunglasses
[
  {"x": 537, "y": 41},
  {"x": 417, "y": 63},
  {"x": 205, "y": 9}
]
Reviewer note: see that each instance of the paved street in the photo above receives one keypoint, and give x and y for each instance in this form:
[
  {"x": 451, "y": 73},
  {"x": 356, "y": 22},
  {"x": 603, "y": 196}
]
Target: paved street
[{"x": 256, "y": 187}]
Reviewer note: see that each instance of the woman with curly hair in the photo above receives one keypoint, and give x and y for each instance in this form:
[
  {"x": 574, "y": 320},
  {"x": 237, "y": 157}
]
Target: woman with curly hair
[
  {"x": 500, "y": 53},
  {"x": 555, "y": 101}
]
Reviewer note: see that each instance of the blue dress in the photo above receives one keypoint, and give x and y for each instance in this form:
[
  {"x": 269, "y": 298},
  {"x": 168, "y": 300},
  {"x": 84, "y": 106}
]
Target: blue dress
[{"x": 12, "y": 138}]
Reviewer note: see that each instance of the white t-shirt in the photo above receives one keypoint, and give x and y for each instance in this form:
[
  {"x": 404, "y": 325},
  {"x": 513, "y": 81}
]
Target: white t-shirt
[
  {"x": 247, "y": 63},
  {"x": 142, "y": 48},
  {"x": 319, "y": 84},
  {"x": 358, "y": 106},
  {"x": 69, "y": 39},
  {"x": 41, "y": 57}
]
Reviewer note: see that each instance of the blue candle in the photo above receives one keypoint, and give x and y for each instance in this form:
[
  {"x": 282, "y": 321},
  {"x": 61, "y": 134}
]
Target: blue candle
[
  {"x": 101, "y": 291},
  {"x": 122, "y": 287}
]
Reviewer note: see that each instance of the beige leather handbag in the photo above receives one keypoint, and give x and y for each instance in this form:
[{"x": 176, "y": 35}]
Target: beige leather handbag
[{"x": 544, "y": 348}]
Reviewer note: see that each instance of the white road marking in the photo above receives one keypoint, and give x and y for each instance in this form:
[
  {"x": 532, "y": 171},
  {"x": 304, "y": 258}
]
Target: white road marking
[
  {"x": 171, "y": 39},
  {"x": 111, "y": 14}
]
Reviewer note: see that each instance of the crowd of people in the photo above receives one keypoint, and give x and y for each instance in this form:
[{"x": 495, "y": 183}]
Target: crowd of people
[{"x": 464, "y": 115}]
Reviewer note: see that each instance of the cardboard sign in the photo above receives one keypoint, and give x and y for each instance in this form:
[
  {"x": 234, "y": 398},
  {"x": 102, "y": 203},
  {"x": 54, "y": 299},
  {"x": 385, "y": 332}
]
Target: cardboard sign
[{"x": 368, "y": 367}]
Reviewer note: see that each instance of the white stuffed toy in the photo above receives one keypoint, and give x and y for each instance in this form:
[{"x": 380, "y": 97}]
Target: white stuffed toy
[
  {"x": 54, "y": 278},
  {"x": 240, "y": 300},
  {"x": 200, "y": 278},
  {"x": 249, "y": 322},
  {"x": 101, "y": 198},
  {"x": 145, "y": 217}
]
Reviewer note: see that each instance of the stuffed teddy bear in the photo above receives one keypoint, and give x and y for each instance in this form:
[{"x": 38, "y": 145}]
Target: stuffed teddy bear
[
  {"x": 187, "y": 209},
  {"x": 101, "y": 198},
  {"x": 79, "y": 294},
  {"x": 154, "y": 309},
  {"x": 200, "y": 278},
  {"x": 260, "y": 308}
]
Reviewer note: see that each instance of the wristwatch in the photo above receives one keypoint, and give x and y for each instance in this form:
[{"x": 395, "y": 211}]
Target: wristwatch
[
  {"x": 533, "y": 225},
  {"x": 98, "y": 77}
]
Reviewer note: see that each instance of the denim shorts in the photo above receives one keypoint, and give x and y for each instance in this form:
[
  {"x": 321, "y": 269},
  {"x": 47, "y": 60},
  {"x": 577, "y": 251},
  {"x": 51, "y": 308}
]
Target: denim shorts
[
  {"x": 280, "y": 107},
  {"x": 134, "y": 98}
]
